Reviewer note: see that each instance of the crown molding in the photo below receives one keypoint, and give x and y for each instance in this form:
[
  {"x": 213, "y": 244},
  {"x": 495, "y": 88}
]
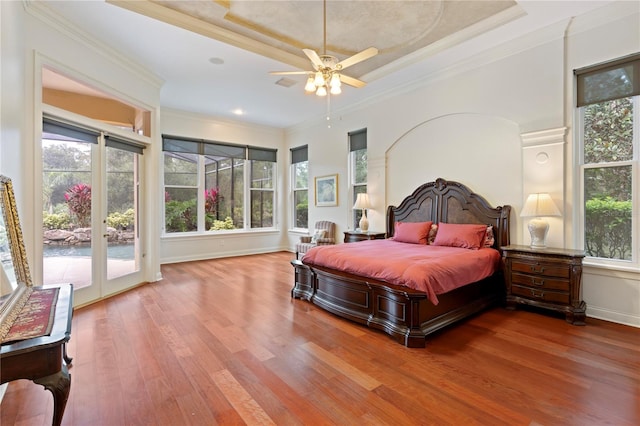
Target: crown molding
[
  {"x": 184, "y": 21},
  {"x": 40, "y": 11},
  {"x": 604, "y": 15}
]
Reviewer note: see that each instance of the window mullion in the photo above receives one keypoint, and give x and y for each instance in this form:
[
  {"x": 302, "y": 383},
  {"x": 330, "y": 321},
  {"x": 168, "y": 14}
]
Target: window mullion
[
  {"x": 246, "y": 211},
  {"x": 200, "y": 193}
]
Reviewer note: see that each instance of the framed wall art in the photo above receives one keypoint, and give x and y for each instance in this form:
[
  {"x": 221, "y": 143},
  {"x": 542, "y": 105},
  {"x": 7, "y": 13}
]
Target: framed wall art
[{"x": 327, "y": 191}]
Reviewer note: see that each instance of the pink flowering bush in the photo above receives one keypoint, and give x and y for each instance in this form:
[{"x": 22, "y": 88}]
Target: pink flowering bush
[
  {"x": 78, "y": 199},
  {"x": 211, "y": 198}
]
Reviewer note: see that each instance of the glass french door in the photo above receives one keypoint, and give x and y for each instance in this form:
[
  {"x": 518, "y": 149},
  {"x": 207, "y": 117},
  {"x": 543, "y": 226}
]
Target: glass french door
[{"x": 91, "y": 184}]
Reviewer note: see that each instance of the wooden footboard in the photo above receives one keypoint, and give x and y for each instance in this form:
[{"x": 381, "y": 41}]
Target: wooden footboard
[{"x": 405, "y": 314}]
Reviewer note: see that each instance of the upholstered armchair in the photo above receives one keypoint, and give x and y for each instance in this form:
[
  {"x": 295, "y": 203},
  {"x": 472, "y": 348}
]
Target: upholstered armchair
[{"x": 324, "y": 233}]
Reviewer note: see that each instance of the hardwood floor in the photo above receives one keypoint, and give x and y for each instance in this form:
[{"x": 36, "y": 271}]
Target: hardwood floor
[{"x": 222, "y": 342}]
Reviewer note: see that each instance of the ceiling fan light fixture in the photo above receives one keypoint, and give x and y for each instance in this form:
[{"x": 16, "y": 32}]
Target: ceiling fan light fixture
[
  {"x": 326, "y": 74},
  {"x": 310, "y": 87},
  {"x": 335, "y": 80}
]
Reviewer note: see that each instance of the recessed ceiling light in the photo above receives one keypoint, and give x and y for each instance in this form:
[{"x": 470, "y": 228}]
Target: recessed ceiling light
[
  {"x": 238, "y": 111},
  {"x": 216, "y": 61}
]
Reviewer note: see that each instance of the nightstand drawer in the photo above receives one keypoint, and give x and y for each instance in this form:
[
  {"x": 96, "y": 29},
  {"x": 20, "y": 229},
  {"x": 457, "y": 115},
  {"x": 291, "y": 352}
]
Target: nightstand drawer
[
  {"x": 540, "y": 282},
  {"x": 541, "y": 268},
  {"x": 545, "y": 277},
  {"x": 539, "y": 294}
]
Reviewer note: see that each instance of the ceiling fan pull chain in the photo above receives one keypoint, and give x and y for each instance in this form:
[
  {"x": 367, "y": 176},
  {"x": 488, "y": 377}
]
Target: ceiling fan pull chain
[{"x": 328, "y": 110}]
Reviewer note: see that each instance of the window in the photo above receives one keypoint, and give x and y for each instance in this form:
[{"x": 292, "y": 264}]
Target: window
[
  {"x": 262, "y": 187},
  {"x": 205, "y": 189},
  {"x": 609, "y": 113},
  {"x": 357, "y": 168},
  {"x": 300, "y": 185}
]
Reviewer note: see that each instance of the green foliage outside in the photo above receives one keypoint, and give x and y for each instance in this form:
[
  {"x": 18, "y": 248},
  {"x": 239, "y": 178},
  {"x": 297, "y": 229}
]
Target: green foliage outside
[
  {"x": 609, "y": 233},
  {"x": 219, "y": 225},
  {"x": 608, "y": 139},
  {"x": 67, "y": 200},
  {"x": 180, "y": 216},
  {"x": 56, "y": 220},
  {"x": 302, "y": 214},
  {"x": 360, "y": 158},
  {"x": 301, "y": 194},
  {"x": 121, "y": 221}
]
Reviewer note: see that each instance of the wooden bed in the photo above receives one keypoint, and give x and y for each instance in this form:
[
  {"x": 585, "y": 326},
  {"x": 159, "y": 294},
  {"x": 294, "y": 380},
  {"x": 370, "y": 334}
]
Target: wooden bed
[{"x": 406, "y": 314}]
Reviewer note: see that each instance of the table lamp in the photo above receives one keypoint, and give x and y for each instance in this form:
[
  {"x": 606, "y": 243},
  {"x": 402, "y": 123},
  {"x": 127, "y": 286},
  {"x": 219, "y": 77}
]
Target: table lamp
[
  {"x": 362, "y": 203},
  {"x": 537, "y": 206}
]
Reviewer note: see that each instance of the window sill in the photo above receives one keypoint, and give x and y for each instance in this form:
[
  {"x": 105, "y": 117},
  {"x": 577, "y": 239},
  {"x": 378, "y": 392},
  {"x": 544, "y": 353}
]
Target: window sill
[
  {"x": 609, "y": 270},
  {"x": 299, "y": 231},
  {"x": 221, "y": 233}
]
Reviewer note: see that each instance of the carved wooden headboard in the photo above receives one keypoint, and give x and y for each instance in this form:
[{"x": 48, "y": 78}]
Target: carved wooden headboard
[{"x": 450, "y": 202}]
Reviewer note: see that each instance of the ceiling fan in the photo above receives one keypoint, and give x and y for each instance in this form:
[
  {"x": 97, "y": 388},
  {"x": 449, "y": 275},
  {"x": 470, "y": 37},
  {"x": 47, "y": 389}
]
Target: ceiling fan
[{"x": 327, "y": 70}]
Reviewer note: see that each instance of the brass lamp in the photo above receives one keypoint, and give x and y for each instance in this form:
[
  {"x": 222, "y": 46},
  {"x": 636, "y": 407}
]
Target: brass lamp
[
  {"x": 362, "y": 203},
  {"x": 537, "y": 206}
]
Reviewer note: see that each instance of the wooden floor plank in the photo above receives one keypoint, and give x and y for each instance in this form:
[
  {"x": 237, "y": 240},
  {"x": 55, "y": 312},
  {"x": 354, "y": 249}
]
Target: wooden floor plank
[{"x": 222, "y": 342}]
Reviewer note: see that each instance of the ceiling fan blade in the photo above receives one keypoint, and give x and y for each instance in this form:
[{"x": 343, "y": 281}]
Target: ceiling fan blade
[
  {"x": 315, "y": 59},
  {"x": 352, "y": 81},
  {"x": 358, "y": 57},
  {"x": 289, "y": 72}
]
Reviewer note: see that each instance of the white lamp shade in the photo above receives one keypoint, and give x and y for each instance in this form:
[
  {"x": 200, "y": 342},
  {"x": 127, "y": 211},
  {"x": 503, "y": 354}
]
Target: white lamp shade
[
  {"x": 539, "y": 204},
  {"x": 362, "y": 202}
]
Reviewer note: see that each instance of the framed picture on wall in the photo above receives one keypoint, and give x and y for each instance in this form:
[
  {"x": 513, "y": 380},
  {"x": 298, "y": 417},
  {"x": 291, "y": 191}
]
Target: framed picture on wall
[{"x": 327, "y": 191}]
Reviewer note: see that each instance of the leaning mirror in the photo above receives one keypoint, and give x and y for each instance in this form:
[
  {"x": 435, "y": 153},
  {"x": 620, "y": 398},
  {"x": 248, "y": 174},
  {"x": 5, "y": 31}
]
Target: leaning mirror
[{"x": 15, "y": 279}]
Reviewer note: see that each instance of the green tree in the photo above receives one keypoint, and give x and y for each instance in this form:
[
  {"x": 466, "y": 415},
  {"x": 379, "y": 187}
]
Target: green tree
[{"x": 608, "y": 139}]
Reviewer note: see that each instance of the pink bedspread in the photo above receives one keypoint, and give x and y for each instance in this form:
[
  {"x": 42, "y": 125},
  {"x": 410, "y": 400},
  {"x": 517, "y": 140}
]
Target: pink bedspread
[{"x": 432, "y": 269}]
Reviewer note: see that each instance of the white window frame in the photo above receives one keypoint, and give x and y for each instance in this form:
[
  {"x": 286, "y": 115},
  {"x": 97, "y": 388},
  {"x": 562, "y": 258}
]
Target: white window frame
[
  {"x": 200, "y": 187},
  {"x": 620, "y": 264},
  {"x": 294, "y": 189}
]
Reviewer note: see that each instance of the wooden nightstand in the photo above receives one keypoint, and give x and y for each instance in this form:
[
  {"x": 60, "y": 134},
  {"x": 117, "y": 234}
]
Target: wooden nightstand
[
  {"x": 354, "y": 236},
  {"x": 547, "y": 277}
]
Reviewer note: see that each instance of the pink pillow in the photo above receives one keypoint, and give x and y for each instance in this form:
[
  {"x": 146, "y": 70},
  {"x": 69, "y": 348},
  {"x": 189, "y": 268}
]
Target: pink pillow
[
  {"x": 411, "y": 232},
  {"x": 460, "y": 235}
]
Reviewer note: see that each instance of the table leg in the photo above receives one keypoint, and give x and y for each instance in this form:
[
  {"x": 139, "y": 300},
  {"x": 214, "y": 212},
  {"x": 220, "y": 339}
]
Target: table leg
[
  {"x": 59, "y": 384},
  {"x": 66, "y": 357}
]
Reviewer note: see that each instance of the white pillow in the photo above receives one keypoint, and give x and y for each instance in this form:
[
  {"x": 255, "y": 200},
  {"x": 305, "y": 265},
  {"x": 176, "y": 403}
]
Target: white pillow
[{"x": 319, "y": 233}]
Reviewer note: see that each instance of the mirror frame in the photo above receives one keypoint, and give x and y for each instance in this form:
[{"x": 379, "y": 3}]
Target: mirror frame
[{"x": 11, "y": 304}]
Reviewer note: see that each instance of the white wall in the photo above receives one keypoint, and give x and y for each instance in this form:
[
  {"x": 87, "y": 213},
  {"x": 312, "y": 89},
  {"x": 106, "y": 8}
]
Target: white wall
[
  {"x": 176, "y": 248},
  {"x": 12, "y": 99},
  {"x": 470, "y": 124},
  {"x": 610, "y": 293}
]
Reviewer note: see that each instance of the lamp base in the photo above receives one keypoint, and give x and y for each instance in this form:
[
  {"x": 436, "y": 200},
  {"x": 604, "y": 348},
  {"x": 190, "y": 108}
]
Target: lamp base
[
  {"x": 538, "y": 229},
  {"x": 364, "y": 222}
]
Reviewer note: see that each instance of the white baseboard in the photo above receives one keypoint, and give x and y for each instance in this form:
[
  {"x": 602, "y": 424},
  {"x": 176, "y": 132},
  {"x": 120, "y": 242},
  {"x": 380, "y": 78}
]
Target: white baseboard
[{"x": 609, "y": 315}]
